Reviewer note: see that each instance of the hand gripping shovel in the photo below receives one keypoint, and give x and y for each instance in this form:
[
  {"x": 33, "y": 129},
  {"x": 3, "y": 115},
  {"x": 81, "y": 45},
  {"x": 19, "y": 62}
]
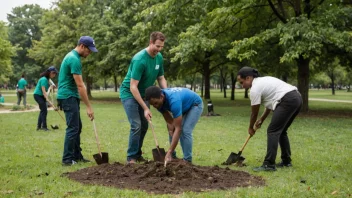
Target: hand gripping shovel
[
  {"x": 233, "y": 158},
  {"x": 57, "y": 110},
  {"x": 100, "y": 158},
  {"x": 158, "y": 153}
]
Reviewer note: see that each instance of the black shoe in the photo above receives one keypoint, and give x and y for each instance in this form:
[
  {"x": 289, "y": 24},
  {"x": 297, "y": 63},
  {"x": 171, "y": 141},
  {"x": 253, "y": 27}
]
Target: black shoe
[
  {"x": 38, "y": 128},
  {"x": 282, "y": 164},
  {"x": 84, "y": 160},
  {"x": 265, "y": 168},
  {"x": 69, "y": 163},
  {"x": 141, "y": 159}
]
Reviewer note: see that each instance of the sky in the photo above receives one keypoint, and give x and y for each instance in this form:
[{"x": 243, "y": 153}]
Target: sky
[{"x": 7, "y": 5}]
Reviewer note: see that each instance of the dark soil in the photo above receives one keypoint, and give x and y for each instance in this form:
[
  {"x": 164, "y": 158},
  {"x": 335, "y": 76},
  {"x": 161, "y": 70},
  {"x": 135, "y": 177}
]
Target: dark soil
[{"x": 176, "y": 178}]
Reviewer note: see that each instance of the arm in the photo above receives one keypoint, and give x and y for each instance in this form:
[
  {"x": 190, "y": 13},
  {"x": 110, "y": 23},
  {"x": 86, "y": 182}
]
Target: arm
[
  {"x": 265, "y": 114},
  {"x": 138, "y": 97},
  {"x": 169, "y": 121},
  {"x": 254, "y": 115},
  {"x": 162, "y": 82},
  {"x": 83, "y": 93},
  {"x": 177, "y": 123},
  {"x": 44, "y": 93}
]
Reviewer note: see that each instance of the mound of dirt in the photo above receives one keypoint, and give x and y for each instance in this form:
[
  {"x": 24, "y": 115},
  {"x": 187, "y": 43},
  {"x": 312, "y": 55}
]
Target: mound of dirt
[{"x": 176, "y": 178}]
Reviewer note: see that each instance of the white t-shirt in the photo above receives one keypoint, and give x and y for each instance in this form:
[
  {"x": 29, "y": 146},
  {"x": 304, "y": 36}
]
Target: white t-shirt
[{"x": 269, "y": 91}]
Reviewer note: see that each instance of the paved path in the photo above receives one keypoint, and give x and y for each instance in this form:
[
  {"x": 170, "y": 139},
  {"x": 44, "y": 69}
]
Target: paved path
[
  {"x": 36, "y": 108},
  {"x": 329, "y": 100}
]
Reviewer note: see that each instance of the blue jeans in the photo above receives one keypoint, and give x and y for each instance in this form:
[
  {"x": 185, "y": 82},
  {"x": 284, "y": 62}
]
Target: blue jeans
[
  {"x": 43, "y": 111},
  {"x": 19, "y": 98},
  {"x": 189, "y": 121},
  {"x": 72, "y": 148},
  {"x": 139, "y": 127}
]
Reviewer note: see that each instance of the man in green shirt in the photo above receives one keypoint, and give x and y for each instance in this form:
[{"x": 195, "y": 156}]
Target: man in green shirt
[
  {"x": 146, "y": 67},
  {"x": 21, "y": 91},
  {"x": 71, "y": 89}
]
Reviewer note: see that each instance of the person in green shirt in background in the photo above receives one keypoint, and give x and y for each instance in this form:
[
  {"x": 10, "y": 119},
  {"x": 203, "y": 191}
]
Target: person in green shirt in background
[
  {"x": 2, "y": 99},
  {"x": 41, "y": 96},
  {"x": 146, "y": 67},
  {"x": 71, "y": 89},
  {"x": 21, "y": 91}
]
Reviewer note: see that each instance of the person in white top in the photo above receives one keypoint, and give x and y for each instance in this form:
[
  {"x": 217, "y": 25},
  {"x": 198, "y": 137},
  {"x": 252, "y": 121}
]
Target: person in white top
[{"x": 284, "y": 100}]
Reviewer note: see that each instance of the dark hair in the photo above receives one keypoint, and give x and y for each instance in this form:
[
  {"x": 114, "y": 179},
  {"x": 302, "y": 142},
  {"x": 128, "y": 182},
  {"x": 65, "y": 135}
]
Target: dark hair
[
  {"x": 157, "y": 36},
  {"x": 46, "y": 74},
  {"x": 22, "y": 75},
  {"x": 248, "y": 71},
  {"x": 152, "y": 92}
]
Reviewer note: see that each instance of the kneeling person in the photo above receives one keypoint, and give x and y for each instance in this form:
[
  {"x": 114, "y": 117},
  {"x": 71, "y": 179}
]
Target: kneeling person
[{"x": 181, "y": 109}]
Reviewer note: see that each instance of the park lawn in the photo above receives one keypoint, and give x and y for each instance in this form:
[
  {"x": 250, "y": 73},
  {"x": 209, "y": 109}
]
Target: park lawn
[{"x": 30, "y": 165}]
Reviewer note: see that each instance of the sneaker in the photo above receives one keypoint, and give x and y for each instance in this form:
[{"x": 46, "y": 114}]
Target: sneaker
[
  {"x": 84, "y": 160},
  {"x": 265, "y": 168},
  {"x": 69, "y": 163},
  {"x": 141, "y": 159},
  {"x": 282, "y": 164}
]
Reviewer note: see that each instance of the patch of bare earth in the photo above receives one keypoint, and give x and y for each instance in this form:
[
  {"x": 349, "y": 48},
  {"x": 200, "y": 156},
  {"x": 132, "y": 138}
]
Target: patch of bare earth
[{"x": 177, "y": 177}]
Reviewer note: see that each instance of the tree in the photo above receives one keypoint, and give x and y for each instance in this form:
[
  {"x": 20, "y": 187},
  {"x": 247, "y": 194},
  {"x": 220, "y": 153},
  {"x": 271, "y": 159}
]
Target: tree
[
  {"x": 303, "y": 32},
  {"x": 6, "y": 52},
  {"x": 23, "y": 29}
]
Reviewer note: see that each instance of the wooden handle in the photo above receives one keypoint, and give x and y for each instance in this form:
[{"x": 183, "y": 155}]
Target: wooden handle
[
  {"x": 249, "y": 137},
  {"x": 156, "y": 141},
  {"x": 97, "y": 138},
  {"x": 57, "y": 110}
]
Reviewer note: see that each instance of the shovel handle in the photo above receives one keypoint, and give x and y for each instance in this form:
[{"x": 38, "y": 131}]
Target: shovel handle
[
  {"x": 244, "y": 145},
  {"x": 57, "y": 110},
  {"x": 156, "y": 141},
  {"x": 97, "y": 138}
]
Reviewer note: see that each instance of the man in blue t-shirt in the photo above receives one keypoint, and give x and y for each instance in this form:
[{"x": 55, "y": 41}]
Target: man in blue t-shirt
[{"x": 181, "y": 109}]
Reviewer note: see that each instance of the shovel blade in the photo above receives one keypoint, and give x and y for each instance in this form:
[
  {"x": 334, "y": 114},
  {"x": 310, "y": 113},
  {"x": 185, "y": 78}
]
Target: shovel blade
[
  {"x": 101, "y": 159},
  {"x": 233, "y": 158},
  {"x": 159, "y": 154}
]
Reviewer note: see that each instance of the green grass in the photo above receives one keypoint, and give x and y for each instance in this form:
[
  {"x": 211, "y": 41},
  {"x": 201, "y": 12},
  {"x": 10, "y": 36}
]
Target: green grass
[{"x": 30, "y": 165}]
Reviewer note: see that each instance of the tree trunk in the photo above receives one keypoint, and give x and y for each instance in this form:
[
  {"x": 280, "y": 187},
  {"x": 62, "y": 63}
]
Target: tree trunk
[
  {"x": 246, "y": 93},
  {"x": 233, "y": 84},
  {"x": 115, "y": 82},
  {"x": 332, "y": 83},
  {"x": 206, "y": 69},
  {"x": 303, "y": 81},
  {"x": 202, "y": 87},
  {"x": 105, "y": 84},
  {"x": 89, "y": 86}
]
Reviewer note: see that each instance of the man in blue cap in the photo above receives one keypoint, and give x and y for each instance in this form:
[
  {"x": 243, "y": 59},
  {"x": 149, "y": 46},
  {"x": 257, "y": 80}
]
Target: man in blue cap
[{"x": 71, "y": 89}]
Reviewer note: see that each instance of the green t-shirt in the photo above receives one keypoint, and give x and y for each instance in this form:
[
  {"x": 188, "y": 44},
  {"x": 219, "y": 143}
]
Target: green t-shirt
[
  {"x": 22, "y": 83},
  {"x": 69, "y": 66},
  {"x": 145, "y": 69},
  {"x": 43, "y": 81}
]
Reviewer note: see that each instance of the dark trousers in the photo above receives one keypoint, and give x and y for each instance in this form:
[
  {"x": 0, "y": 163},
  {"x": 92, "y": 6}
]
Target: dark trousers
[
  {"x": 72, "y": 148},
  {"x": 43, "y": 111},
  {"x": 282, "y": 118}
]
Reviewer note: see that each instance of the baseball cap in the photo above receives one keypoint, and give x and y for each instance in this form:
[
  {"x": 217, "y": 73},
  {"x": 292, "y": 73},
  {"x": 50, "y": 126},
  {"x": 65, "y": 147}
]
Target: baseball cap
[
  {"x": 52, "y": 69},
  {"x": 89, "y": 42}
]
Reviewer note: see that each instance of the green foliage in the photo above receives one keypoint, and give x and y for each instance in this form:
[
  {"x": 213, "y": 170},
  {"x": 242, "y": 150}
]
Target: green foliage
[
  {"x": 23, "y": 30},
  {"x": 6, "y": 52}
]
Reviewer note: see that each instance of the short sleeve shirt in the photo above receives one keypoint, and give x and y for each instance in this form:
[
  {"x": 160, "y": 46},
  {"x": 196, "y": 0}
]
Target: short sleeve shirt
[
  {"x": 43, "y": 81},
  {"x": 269, "y": 91},
  {"x": 179, "y": 101},
  {"x": 22, "y": 83},
  {"x": 66, "y": 85},
  {"x": 145, "y": 69}
]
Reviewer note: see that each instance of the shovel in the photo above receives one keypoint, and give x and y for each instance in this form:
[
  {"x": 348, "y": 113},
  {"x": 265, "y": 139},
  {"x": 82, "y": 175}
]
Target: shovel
[
  {"x": 158, "y": 153},
  {"x": 233, "y": 158},
  {"x": 57, "y": 110},
  {"x": 100, "y": 158}
]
